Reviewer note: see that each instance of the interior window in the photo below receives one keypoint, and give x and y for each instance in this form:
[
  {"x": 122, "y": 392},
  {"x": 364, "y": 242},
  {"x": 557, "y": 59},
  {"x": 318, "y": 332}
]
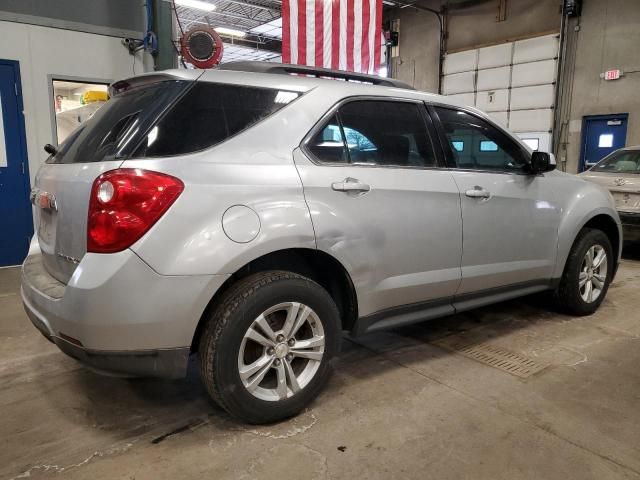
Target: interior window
[
  {"x": 484, "y": 147},
  {"x": 328, "y": 145},
  {"x": 458, "y": 145},
  {"x": 533, "y": 143},
  {"x": 74, "y": 103},
  {"x": 605, "y": 140},
  {"x": 488, "y": 146}
]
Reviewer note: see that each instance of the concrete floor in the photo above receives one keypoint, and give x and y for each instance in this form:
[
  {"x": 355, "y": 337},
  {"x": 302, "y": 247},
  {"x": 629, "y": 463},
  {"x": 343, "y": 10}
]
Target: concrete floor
[{"x": 399, "y": 406}]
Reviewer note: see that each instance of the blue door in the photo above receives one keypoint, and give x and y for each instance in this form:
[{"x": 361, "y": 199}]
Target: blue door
[
  {"x": 601, "y": 135},
  {"x": 16, "y": 224}
]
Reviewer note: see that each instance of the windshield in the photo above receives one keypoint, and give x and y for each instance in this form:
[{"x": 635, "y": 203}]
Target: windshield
[{"x": 621, "y": 161}]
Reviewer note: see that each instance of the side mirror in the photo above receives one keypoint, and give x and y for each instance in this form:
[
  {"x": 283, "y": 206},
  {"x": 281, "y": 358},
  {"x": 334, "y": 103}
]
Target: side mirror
[{"x": 542, "y": 162}]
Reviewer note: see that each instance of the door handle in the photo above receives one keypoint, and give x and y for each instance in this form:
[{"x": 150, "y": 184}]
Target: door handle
[
  {"x": 350, "y": 185},
  {"x": 477, "y": 192}
]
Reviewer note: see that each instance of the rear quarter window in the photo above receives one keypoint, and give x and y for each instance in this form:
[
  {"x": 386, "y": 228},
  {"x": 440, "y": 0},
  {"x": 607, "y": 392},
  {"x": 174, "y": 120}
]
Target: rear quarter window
[{"x": 208, "y": 114}]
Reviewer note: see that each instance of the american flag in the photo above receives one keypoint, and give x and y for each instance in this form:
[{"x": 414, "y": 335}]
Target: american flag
[{"x": 337, "y": 34}]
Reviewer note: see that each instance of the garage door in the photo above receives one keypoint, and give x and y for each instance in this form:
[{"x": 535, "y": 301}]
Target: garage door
[{"x": 513, "y": 82}]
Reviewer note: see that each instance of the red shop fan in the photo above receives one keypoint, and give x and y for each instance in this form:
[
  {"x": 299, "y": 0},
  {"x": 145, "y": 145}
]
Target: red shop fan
[{"x": 201, "y": 47}]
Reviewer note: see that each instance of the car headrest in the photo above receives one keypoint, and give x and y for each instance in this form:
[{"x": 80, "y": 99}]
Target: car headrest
[{"x": 393, "y": 150}]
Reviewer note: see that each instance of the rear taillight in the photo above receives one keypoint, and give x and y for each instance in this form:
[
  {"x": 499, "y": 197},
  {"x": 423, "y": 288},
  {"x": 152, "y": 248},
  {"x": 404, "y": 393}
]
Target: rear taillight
[{"x": 124, "y": 204}]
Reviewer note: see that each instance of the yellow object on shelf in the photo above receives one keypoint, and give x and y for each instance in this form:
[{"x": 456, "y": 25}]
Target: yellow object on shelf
[{"x": 94, "y": 96}]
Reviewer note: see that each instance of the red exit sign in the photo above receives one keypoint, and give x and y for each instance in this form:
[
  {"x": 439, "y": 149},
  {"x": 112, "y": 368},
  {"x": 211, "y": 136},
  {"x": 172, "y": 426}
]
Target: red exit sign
[{"x": 612, "y": 74}]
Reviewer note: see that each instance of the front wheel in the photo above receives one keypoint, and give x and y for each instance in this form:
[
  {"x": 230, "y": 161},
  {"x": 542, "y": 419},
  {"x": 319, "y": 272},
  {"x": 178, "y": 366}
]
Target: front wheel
[
  {"x": 587, "y": 274},
  {"x": 265, "y": 352}
]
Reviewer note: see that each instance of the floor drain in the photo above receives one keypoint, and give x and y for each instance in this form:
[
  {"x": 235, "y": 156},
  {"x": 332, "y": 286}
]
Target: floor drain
[{"x": 494, "y": 356}]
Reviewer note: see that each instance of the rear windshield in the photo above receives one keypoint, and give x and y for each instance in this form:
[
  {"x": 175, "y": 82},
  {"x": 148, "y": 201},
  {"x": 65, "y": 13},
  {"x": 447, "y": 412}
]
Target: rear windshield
[
  {"x": 622, "y": 161},
  {"x": 114, "y": 130},
  {"x": 139, "y": 123}
]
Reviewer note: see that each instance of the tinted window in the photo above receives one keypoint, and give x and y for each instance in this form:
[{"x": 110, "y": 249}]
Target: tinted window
[
  {"x": 114, "y": 129},
  {"x": 328, "y": 145},
  {"x": 477, "y": 144},
  {"x": 620, "y": 162},
  {"x": 386, "y": 133},
  {"x": 375, "y": 133},
  {"x": 208, "y": 114}
]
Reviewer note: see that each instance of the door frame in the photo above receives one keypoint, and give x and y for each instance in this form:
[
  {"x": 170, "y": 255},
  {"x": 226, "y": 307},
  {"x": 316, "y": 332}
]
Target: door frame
[
  {"x": 22, "y": 133},
  {"x": 583, "y": 134}
]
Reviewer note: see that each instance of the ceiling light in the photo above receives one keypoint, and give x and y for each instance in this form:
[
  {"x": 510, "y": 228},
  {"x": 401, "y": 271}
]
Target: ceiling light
[
  {"x": 196, "y": 4},
  {"x": 231, "y": 31}
]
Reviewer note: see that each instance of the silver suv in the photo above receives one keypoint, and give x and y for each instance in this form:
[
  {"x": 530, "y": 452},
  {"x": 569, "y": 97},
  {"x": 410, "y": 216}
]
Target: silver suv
[{"x": 253, "y": 213}]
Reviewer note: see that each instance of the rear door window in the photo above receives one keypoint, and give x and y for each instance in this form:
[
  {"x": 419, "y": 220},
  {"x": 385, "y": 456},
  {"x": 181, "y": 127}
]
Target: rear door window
[
  {"x": 376, "y": 133},
  {"x": 328, "y": 144}
]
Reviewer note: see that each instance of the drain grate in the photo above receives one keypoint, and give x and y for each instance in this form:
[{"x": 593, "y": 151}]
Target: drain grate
[{"x": 494, "y": 356}]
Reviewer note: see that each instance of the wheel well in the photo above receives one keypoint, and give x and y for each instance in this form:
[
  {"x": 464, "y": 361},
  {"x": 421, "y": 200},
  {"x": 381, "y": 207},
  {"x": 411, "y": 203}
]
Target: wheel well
[
  {"x": 314, "y": 264},
  {"x": 608, "y": 225}
]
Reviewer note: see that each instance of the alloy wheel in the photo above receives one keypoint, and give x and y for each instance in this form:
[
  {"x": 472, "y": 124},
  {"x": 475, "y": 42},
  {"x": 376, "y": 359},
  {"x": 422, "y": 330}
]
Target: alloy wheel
[
  {"x": 593, "y": 273},
  {"x": 281, "y": 351}
]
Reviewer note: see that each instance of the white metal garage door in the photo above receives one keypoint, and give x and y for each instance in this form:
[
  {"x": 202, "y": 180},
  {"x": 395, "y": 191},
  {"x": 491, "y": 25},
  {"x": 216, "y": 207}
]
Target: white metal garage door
[{"x": 513, "y": 82}]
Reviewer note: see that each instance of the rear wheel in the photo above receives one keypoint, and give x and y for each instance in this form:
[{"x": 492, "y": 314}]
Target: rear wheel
[
  {"x": 587, "y": 274},
  {"x": 266, "y": 349}
]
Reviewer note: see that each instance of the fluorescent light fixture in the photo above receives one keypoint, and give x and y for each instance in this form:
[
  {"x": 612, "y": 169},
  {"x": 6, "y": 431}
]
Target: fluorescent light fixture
[
  {"x": 196, "y": 4},
  {"x": 231, "y": 31}
]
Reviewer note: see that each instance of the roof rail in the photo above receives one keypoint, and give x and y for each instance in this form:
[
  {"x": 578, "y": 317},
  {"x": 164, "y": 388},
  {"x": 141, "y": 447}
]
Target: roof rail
[{"x": 288, "y": 69}]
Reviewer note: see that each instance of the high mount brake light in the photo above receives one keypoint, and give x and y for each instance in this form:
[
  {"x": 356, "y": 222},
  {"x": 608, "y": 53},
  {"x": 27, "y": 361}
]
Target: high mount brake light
[{"x": 124, "y": 204}]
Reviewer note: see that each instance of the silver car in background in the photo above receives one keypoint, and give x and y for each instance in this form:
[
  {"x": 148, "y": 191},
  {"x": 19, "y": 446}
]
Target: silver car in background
[
  {"x": 620, "y": 173},
  {"x": 251, "y": 214}
]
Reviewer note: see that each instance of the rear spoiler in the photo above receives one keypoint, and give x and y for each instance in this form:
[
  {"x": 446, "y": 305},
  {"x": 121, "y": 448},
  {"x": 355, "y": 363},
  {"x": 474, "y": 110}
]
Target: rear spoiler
[{"x": 121, "y": 86}]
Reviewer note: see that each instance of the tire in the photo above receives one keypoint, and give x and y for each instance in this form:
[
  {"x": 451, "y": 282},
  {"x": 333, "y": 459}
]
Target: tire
[
  {"x": 230, "y": 331},
  {"x": 570, "y": 295}
]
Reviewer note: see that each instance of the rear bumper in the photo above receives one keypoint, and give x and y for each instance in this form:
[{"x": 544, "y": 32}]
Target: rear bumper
[
  {"x": 117, "y": 315},
  {"x": 630, "y": 226}
]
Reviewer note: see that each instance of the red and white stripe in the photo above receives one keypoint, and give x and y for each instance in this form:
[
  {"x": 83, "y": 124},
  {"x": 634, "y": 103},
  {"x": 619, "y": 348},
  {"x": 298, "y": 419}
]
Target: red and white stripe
[{"x": 338, "y": 34}]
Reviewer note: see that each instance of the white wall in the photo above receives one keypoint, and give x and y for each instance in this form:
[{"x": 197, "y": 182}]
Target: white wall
[{"x": 44, "y": 51}]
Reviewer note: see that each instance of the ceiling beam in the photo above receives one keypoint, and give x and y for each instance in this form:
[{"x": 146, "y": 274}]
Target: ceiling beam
[
  {"x": 274, "y": 46},
  {"x": 234, "y": 15},
  {"x": 249, "y": 3},
  {"x": 265, "y": 42}
]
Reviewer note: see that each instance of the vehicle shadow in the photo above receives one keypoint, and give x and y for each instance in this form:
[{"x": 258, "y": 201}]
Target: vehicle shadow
[
  {"x": 486, "y": 324},
  {"x": 631, "y": 251},
  {"x": 132, "y": 407}
]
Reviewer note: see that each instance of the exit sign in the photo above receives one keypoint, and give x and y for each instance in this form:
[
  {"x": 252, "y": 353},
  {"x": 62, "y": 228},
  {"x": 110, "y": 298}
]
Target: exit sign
[{"x": 612, "y": 74}]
